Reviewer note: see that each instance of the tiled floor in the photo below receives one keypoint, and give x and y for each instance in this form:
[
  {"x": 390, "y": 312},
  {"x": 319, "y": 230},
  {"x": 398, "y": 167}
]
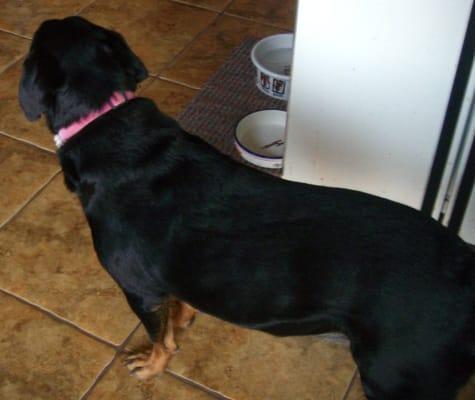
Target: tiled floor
[{"x": 64, "y": 321}]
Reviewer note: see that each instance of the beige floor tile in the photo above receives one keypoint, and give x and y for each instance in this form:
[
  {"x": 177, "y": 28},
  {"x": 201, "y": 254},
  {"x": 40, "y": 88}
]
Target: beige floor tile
[
  {"x": 24, "y": 169},
  {"x": 197, "y": 63},
  {"x": 156, "y": 30},
  {"x": 245, "y": 364},
  {"x": 275, "y": 12},
  {"x": 43, "y": 358},
  {"x": 12, "y": 49},
  {"x": 12, "y": 119},
  {"x": 218, "y": 5},
  {"x": 24, "y": 17},
  {"x": 117, "y": 384},
  {"x": 169, "y": 97},
  {"x": 47, "y": 257}
]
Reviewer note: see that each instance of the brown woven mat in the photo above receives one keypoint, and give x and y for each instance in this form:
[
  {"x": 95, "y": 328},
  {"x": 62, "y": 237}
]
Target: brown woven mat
[{"x": 228, "y": 96}]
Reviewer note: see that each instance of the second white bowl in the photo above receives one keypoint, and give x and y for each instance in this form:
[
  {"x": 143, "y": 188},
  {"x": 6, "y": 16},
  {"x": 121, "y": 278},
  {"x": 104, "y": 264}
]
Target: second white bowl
[{"x": 259, "y": 138}]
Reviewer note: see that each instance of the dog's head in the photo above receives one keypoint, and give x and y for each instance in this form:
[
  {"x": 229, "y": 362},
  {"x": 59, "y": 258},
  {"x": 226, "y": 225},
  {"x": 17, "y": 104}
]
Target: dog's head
[{"x": 73, "y": 67}]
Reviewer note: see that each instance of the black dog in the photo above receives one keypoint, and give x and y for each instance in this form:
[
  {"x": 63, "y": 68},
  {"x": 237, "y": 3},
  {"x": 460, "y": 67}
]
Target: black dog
[{"x": 170, "y": 216}]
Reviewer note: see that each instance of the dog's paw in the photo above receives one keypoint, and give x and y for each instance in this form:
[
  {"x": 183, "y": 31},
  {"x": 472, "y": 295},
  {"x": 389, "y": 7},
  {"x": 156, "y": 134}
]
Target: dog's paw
[{"x": 148, "y": 364}]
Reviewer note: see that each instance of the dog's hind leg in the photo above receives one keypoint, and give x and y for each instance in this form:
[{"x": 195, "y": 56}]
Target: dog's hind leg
[
  {"x": 159, "y": 326},
  {"x": 410, "y": 377},
  {"x": 183, "y": 314}
]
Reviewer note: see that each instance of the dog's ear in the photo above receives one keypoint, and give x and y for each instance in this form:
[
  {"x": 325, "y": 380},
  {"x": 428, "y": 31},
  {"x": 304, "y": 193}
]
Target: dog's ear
[
  {"x": 40, "y": 79},
  {"x": 132, "y": 64}
]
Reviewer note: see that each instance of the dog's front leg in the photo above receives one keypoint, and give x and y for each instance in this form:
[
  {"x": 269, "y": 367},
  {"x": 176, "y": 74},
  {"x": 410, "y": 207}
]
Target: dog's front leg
[{"x": 159, "y": 326}]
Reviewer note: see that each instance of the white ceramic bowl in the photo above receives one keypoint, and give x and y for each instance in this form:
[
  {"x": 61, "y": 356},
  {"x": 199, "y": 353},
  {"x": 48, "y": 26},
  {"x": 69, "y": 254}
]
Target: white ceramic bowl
[
  {"x": 259, "y": 138},
  {"x": 272, "y": 57}
]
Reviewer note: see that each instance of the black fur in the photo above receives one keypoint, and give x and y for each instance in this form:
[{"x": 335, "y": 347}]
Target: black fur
[{"x": 170, "y": 215}]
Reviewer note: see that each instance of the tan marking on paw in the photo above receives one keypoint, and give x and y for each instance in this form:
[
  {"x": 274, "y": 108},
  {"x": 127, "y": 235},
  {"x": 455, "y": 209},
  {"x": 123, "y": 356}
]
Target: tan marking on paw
[
  {"x": 183, "y": 315},
  {"x": 169, "y": 338}
]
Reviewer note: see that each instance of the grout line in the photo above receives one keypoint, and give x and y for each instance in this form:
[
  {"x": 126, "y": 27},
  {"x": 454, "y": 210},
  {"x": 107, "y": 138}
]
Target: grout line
[
  {"x": 258, "y": 22},
  {"x": 143, "y": 87},
  {"x": 228, "y": 5},
  {"x": 202, "y": 7},
  {"x": 350, "y": 384},
  {"x": 164, "y": 78},
  {"x": 85, "y": 7},
  {"x": 38, "y": 146},
  {"x": 189, "y": 44},
  {"x": 11, "y": 63},
  {"x": 59, "y": 318},
  {"x": 15, "y": 34},
  {"x": 198, "y": 385},
  {"x": 29, "y": 199},
  {"x": 98, "y": 377},
  {"x": 123, "y": 345},
  {"x": 107, "y": 368}
]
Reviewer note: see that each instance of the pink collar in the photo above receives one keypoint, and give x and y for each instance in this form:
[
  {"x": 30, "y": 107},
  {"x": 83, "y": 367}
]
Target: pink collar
[{"x": 68, "y": 132}]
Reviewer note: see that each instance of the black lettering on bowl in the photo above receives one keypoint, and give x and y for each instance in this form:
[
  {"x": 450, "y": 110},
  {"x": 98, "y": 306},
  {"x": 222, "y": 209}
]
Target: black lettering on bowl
[
  {"x": 278, "y": 86},
  {"x": 265, "y": 81}
]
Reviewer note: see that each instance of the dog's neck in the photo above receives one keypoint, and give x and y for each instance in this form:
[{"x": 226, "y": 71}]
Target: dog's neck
[{"x": 66, "y": 133}]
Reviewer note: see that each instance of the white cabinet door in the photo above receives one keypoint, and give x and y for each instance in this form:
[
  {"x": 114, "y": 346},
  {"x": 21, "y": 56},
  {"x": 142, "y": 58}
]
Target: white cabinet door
[{"x": 370, "y": 84}]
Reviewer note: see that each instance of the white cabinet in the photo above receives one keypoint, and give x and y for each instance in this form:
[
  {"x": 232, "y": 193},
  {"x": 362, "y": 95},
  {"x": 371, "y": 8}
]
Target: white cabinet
[{"x": 371, "y": 81}]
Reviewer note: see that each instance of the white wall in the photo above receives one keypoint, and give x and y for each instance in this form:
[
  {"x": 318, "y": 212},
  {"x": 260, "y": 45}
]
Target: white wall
[{"x": 370, "y": 84}]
